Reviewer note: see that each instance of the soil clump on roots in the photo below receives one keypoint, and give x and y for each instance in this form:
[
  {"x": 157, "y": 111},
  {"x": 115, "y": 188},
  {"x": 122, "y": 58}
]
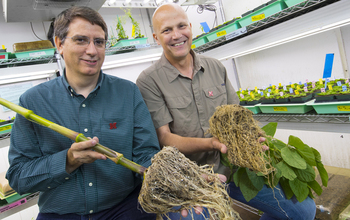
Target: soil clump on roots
[
  {"x": 235, "y": 127},
  {"x": 175, "y": 181}
]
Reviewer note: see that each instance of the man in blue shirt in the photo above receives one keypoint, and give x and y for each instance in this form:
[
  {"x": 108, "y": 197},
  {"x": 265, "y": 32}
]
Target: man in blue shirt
[{"x": 74, "y": 181}]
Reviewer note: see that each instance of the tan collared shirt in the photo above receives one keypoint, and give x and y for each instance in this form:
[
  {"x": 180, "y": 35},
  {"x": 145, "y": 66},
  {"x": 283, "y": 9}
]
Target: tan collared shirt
[{"x": 187, "y": 104}]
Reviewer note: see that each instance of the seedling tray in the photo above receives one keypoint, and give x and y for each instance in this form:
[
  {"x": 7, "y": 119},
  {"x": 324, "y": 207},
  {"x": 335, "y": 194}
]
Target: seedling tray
[
  {"x": 5, "y": 128},
  {"x": 255, "y": 109},
  {"x": 290, "y": 108},
  {"x": 199, "y": 42},
  {"x": 291, "y": 3},
  {"x": 223, "y": 31},
  {"x": 331, "y": 107},
  {"x": 262, "y": 13},
  {"x": 35, "y": 53},
  {"x": 131, "y": 42},
  {"x": 4, "y": 55}
]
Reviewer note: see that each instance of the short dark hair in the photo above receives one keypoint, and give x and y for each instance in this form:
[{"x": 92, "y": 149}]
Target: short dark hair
[{"x": 64, "y": 19}]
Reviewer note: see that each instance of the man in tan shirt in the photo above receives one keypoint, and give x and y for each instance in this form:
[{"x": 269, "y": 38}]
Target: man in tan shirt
[{"x": 182, "y": 90}]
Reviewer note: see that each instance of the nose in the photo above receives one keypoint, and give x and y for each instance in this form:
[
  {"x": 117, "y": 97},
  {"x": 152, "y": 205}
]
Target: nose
[
  {"x": 91, "y": 48},
  {"x": 177, "y": 34}
]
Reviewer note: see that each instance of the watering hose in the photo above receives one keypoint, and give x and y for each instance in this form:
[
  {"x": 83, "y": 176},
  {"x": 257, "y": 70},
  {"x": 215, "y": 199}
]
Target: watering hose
[{"x": 75, "y": 136}]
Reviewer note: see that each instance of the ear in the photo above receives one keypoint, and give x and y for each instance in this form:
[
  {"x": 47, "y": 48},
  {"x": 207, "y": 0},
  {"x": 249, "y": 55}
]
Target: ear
[
  {"x": 156, "y": 38},
  {"x": 59, "y": 45}
]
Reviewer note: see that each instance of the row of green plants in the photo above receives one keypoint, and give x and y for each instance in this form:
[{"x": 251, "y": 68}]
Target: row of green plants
[
  {"x": 295, "y": 92},
  {"x": 121, "y": 33}
]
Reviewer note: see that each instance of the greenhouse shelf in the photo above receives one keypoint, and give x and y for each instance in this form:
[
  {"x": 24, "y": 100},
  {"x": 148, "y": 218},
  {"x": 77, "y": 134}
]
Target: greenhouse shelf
[{"x": 279, "y": 17}]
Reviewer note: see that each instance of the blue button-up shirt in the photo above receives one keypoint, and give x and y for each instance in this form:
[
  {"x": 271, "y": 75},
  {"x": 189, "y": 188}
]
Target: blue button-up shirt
[{"x": 114, "y": 112}]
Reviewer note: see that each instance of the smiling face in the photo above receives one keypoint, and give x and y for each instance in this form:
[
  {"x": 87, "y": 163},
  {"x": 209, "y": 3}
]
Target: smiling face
[
  {"x": 173, "y": 32},
  {"x": 82, "y": 61}
]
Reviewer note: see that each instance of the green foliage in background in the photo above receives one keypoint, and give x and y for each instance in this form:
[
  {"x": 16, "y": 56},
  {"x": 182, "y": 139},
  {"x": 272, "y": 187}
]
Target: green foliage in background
[
  {"x": 135, "y": 23},
  {"x": 295, "y": 164}
]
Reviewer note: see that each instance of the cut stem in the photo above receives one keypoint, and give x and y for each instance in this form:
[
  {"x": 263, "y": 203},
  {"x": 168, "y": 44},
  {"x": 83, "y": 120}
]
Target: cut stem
[{"x": 75, "y": 136}]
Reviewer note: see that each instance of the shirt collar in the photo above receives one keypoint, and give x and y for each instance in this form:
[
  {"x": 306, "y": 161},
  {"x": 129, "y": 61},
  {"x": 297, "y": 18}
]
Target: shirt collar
[
  {"x": 173, "y": 73},
  {"x": 71, "y": 90}
]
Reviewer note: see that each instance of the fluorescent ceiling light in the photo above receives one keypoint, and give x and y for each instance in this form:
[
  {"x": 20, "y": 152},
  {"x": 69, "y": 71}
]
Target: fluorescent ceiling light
[
  {"x": 146, "y": 1},
  {"x": 127, "y": 1},
  {"x": 198, "y": 2}
]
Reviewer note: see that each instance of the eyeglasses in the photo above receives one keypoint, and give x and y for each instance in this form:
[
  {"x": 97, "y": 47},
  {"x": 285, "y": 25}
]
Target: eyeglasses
[{"x": 83, "y": 41}]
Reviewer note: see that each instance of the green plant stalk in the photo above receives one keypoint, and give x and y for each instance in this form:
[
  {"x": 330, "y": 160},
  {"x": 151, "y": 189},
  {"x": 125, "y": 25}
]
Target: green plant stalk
[{"x": 75, "y": 136}]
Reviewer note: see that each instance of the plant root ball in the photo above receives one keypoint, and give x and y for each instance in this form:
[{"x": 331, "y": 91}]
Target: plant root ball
[
  {"x": 235, "y": 127},
  {"x": 175, "y": 181}
]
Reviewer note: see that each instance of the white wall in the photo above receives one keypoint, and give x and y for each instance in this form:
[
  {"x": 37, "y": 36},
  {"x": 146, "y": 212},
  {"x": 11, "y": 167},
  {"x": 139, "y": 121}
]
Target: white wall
[{"x": 291, "y": 62}]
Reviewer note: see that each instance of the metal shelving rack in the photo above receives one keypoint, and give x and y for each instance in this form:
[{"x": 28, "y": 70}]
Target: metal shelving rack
[
  {"x": 282, "y": 16},
  {"x": 312, "y": 117}
]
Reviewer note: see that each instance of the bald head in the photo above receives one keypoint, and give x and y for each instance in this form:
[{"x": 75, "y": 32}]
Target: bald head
[{"x": 165, "y": 10}]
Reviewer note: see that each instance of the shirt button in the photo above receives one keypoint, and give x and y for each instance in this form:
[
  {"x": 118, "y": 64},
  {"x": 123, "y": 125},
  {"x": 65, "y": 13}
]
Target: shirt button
[
  {"x": 91, "y": 211},
  {"x": 71, "y": 90},
  {"x": 86, "y": 130},
  {"x": 83, "y": 105},
  {"x": 90, "y": 184},
  {"x": 49, "y": 187},
  {"x": 67, "y": 178}
]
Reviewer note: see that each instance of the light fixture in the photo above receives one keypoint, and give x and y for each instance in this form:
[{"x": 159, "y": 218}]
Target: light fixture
[
  {"x": 127, "y": 1},
  {"x": 146, "y": 1},
  {"x": 198, "y": 2}
]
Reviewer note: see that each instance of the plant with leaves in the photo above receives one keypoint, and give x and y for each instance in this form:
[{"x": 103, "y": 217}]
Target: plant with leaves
[
  {"x": 136, "y": 31},
  {"x": 120, "y": 29},
  {"x": 294, "y": 164}
]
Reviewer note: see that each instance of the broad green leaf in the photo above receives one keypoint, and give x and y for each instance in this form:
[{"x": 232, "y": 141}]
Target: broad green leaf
[
  {"x": 247, "y": 188},
  {"x": 286, "y": 171},
  {"x": 224, "y": 160},
  {"x": 286, "y": 188},
  {"x": 238, "y": 175},
  {"x": 292, "y": 158},
  {"x": 270, "y": 128},
  {"x": 278, "y": 144},
  {"x": 257, "y": 181},
  {"x": 306, "y": 175},
  {"x": 308, "y": 155},
  {"x": 300, "y": 189},
  {"x": 317, "y": 154},
  {"x": 274, "y": 178},
  {"x": 296, "y": 142},
  {"x": 323, "y": 174},
  {"x": 316, "y": 187},
  {"x": 310, "y": 193}
]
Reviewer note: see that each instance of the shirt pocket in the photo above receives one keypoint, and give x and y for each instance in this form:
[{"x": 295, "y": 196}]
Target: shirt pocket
[
  {"x": 181, "y": 111},
  {"x": 116, "y": 133},
  {"x": 215, "y": 96}
]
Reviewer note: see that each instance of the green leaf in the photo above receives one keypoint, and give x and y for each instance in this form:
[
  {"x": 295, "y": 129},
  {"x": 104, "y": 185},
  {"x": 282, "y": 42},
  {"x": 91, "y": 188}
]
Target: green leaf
[
  {"x": 310, "y": 193},
  {"x": 299, "y": 189},
  {"x": 286, "y": 171},
  {"x": 238, "y": 175},
  {"x": 306, "y": 175},
  {"x": 224, "y": 160},
  {"x": 308, "y": 155},
  {"x": 317, "y": 154},
  {"x": 247, "y": 188},
  {"x": 292, "y": 158},
  {"x": 286, "y": 188},
  {"x": 278, "y": 144},
  {"x": 316, "y": 187},
  {"x": 257, "y": 181},
  {"x": 296, "y": 142},
  {"x": 270, "y": 128},
  {"x": 323, "y": 174}
]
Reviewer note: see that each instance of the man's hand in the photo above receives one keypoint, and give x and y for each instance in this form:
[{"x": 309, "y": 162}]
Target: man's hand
[
  {"x": 197, "y": 209},
  {"x": 80, "y": 153}
]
